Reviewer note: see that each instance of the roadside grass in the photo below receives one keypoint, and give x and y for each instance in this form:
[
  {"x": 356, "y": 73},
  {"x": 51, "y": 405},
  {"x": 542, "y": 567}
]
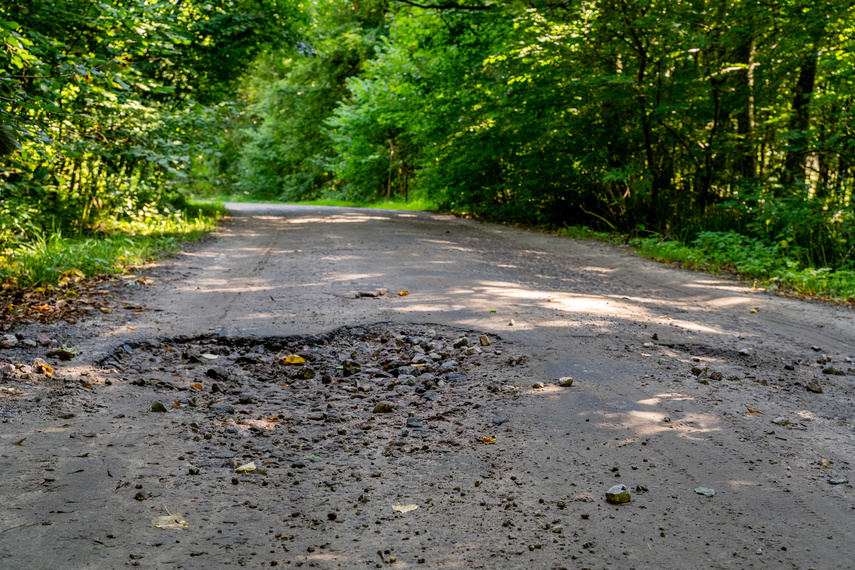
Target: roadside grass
[
  {"x": 776, "y": 267},
  {"x": 416, "y": 204},
  {"x": 51, "y": 259}
]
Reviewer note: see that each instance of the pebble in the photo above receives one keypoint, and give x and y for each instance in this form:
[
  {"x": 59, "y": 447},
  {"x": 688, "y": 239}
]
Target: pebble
[
  {"x": 414, "y": 422},
  {"x": 29, "y": 343},
  {"x": 499, "y": 419},
  {"x": 814, "y": 386},
  {"x": 484, "y": 340},
  {"x": 744, "y": 351},
  {"x": 461, "y": 342},
  {"x": 781, "y": 421},
  {"x": 40, "y": 366},
  {"x": 217, "y": 373},
  {"x": 350, "y": 367},
  {"x": 565, "y": 382},
  {"x": 706, "y": 491},
  {"x": 384, "y": 408},
  {"x": 9, "y": 341},
  {"x": 62, "y": 353},
  {"x": 618, "y": 494},
  {"x": 841, "y": 481},
  {"x": 222, "y": 408},
  {"x": 538, "y": 385},
  {"x": 158, "y": 407}
]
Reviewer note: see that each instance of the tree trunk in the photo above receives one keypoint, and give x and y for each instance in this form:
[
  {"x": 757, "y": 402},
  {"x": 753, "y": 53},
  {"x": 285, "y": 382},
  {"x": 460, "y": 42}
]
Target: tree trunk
[{"x": 795, "y": 162}]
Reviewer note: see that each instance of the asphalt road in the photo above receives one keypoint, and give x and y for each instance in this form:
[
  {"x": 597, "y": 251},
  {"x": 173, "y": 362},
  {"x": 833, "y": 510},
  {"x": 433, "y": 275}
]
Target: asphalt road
[{"x": 628, "y": 330}]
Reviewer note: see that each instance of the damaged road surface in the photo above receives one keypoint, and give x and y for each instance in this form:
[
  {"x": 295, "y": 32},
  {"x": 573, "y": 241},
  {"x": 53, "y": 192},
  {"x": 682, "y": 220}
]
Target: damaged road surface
[{"x": 339, "y": 388}]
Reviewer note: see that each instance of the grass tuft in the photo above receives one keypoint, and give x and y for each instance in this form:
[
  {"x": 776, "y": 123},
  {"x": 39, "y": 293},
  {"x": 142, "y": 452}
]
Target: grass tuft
[
  {"x": 116, "y": 246},
  {"x": 411, "y": 205}
]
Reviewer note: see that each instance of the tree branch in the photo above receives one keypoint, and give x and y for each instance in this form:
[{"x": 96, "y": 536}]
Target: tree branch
[{"x": 446, "y": 6}]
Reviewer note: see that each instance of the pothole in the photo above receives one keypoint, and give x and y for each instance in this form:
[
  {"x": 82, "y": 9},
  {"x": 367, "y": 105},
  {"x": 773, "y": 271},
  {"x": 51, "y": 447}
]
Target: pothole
[{"x": 387, "y": 389}]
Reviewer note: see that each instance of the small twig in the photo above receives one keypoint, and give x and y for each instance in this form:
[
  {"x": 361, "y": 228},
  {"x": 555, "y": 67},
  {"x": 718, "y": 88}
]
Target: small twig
[
  {"x": 167, "y": 510},
  {"x": 11, "y": 527}
]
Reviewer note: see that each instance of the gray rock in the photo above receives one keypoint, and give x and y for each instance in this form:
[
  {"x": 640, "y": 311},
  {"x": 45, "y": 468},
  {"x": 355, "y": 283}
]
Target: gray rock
[
  {"x": 618, "y": 494},
  {"x": 484, "y": 340},
  {"x": 252, "y": 358},
  {"x": 814, "y": 386},
  {"x": 407, "y": 379},
  {"x": 8, "y": 341},
  {"x": 191, "y": 354},
  {"x": 63, "y": 353},
  {"x": 222, "y": 408},
  {"x": 384, "y": 408},
  {"x": 29, "y": 343},
  {"x": 455, "y": 377},
  {"x": 350, "y": 367},
  {"x": 414, "y": 422},
  {"x": 158, "y": 407},
  {"x": 499, "y": 419},
  {"x": 217, "y": 373},
  {"x": 382, "y": 292},
  {"x": 841, "y": 481},
  {"x": 461, "y": 342}
]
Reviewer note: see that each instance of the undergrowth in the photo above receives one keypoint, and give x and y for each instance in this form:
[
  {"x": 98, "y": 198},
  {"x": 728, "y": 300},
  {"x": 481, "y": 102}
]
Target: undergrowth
[
  {"x": 410, "y": 205},
  {"x": 116, "y": 244},
  {"x": 775, "y": 266}
]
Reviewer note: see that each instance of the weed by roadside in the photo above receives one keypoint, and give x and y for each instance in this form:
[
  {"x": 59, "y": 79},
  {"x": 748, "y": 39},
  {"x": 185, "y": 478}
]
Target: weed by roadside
[
  {"x": 777, "y": 267},
  {"x": 774, "y": 266},
  {"x": 116, "y": 245},
  {"x": 411, "y": 205}
]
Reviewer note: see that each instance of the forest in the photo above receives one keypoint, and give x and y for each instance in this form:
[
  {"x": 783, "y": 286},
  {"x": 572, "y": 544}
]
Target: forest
[{"x": 714, "y": 133}]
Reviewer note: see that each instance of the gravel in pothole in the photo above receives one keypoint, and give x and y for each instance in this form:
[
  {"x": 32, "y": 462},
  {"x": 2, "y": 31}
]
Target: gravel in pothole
[{"x": 293, "y": 402}]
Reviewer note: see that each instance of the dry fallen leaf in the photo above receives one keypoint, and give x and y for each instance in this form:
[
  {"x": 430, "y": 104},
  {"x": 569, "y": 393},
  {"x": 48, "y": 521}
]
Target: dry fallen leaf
[
  {"x": 272, "y": 299},
  {"x": 750, "y": 411},
  {"x": 247, "y": 468},
  {"x": 398, "y": 507},
  {"x": 170, "y": 522},
  {"x": 488, "y": 439},
  {"x": 105, "y": 310},
  {"x": 40, "y": 366},
  {"x": 293, "y": 359},
  {"x": 20, "y": 441},
  {"x": 404, "y": 293},
  {"x": 196, "y": 386}
]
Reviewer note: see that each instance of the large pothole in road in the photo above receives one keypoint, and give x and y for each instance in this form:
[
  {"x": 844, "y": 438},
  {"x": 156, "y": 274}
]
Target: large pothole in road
[
  {"x": 289, "y": 403},
  {"x": 315, "y": 431}
]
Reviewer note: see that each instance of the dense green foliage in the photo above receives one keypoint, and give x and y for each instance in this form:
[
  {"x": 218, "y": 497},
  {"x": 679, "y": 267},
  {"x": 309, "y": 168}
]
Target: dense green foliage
[
  {"x": 107, "y": 109},
  {"x": 666, "y": 119},
  {"x": 109, "y": 104},
  {"x": 642, "y": 116}
]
